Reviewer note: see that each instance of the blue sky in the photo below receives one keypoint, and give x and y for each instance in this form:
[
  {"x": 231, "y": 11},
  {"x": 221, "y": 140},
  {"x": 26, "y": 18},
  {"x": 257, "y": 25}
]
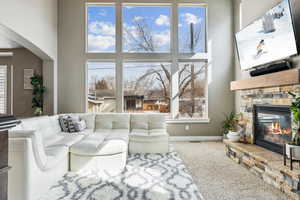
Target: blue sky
[
  {"x": 131, "y": 70},
  {"x": 101, "y": 27},
  {"x": 101, "y": 33}
]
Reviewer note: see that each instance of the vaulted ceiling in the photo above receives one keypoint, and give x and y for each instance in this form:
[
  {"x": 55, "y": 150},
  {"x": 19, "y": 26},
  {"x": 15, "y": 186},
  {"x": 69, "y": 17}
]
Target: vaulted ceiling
[{"x": 6, "y": 43}]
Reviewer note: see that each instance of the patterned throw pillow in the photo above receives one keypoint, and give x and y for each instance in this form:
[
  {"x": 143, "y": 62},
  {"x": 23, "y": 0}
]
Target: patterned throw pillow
[
  {"x": 63, "y": 122},
  {"x": 72, "y": 124},
  {"x": 80, "y": 126}
]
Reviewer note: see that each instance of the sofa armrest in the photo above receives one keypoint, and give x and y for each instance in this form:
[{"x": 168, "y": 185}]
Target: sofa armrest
[
  {"x": 37, "y": 145},
  {"x": 21, "y": 133}
]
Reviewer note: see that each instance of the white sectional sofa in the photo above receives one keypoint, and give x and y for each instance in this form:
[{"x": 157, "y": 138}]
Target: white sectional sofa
[{"x": 40, "y": 153}]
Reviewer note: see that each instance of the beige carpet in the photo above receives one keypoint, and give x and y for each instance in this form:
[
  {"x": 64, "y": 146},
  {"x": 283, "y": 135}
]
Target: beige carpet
[{"x": 219, "y": 178}]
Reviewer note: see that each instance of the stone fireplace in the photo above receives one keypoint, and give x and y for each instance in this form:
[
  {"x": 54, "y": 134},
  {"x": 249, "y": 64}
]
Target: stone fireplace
[
  {"x": 272, "y": 126},
  {"x": 267, "y": 126},
  {"x": 274, "y": 96}
]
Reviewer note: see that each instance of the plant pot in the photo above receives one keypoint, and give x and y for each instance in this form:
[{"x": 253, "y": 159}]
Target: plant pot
[
  {"x": 295, "y": 151},
  {"x": 233, "y": 136}
]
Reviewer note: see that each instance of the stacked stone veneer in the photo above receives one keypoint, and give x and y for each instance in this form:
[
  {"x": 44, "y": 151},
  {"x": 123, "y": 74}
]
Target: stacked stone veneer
[
  {"x": 267, "y": 165},
  {"x": 274, "y": 96}
]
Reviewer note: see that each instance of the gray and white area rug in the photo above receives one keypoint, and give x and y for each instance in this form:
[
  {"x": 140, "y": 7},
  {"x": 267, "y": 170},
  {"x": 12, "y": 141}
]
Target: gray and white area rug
[{"x": 146, "y": 177}]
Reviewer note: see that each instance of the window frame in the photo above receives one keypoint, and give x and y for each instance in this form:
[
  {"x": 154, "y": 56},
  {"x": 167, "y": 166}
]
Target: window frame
[{"x": 174, "y": 57}]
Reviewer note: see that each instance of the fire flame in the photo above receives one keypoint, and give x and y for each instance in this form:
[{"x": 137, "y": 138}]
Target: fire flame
[{"x": 275, "y": 128}]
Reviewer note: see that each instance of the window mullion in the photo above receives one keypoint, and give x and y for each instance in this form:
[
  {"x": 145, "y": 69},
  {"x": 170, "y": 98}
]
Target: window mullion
[
  {"x": 119, "y": 66},
  {"x": 174, "y": 69}
]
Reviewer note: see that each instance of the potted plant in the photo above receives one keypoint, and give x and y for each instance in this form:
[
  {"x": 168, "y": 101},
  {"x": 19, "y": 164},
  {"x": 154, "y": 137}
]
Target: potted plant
[
  {"x": 38, "y": 94},
  {"x": 295, "y": 143},
  {"x": 295, "y": 146},
  {"x": 230, "y": 127}
]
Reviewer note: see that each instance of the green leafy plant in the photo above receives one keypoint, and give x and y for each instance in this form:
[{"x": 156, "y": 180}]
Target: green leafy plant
[
  {"x": 295, "y": 109},
  {"x": 38, "y": 94},
  {"x": 231, "y": 122}
]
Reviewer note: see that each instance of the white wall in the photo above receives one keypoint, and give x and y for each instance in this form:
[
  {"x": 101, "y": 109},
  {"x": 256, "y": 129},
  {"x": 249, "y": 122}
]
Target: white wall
[
  {"x": 245, "y": 11},
  {"x": 35, "y": 20},
  {"x": 72, "y": 60},
  {"x": 33, "y": 24}
]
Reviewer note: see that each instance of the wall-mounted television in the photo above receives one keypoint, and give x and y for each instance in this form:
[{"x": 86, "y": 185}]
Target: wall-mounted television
[{"x": 270, "y": 38}]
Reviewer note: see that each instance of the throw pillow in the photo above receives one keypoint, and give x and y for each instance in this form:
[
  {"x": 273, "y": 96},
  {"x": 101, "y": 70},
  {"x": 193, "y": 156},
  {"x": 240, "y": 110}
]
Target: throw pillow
[
  {"x": 80, "y": 126},
  {"x": 63, "y": 122},
  {"x": 72, "y": 124}
]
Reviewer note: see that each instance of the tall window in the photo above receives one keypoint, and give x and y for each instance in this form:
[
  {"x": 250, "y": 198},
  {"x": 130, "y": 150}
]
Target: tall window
[
  {"x": 101, "y": 29},
  {"x": 191, "y": 29},
  {"x": 192, "y": 90},
  {"x": 146, "y": 28},
  {"x": 159, "y": 58},
  {"x": 101, "y": 87},
  {"x": 147, "y": 87}
]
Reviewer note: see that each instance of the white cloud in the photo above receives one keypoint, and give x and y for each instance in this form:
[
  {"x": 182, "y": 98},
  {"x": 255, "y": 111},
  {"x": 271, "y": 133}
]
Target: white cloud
[
  {"x": 162, "y": 20},
  {"x": 191, "y": 18},
  {"x": 104, "y": 28},
  {"x": 102, "y": 13},
  {"x": 100, "y": 43},
  {"x": 132, "y": 30},
  {"x": 137, "y": 18},
  {"x": 161, "y": 38}
]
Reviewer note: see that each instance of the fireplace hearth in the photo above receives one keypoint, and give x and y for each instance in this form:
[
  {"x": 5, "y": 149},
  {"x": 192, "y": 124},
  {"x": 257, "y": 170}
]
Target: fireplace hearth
[{"x": 272, "y": 126}]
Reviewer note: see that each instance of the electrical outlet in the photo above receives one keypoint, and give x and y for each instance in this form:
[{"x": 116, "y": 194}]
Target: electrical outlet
[{"x": 187, "y": 127}]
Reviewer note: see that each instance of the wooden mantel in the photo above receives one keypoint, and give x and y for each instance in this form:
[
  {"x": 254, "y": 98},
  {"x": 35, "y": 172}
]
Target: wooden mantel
[{"x": 288, "y": 77}]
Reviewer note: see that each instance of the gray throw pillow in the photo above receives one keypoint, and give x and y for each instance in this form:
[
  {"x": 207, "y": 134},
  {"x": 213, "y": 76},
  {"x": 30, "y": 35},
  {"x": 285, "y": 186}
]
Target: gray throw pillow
[
  {"x": 80, "y": 126},
  {"x": 72, "y": 124},
  {"x": 63, "y": 122}
]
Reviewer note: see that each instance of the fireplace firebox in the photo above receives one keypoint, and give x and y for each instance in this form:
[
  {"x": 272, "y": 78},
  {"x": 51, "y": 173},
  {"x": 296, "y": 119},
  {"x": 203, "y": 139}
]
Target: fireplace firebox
[{"x": 272, "y": 126}]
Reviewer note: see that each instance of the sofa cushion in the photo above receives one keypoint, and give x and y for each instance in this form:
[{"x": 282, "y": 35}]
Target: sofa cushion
[
  {"x": 55, "y": 155},
  {"x": 101, "y": 144},
  {"x": 148, "y": 138},
  {"x": 118, "y": 134},
  {"x": 86, "y": 132},
  {"x": 112, "y": 121},
  {"x": 55, "y": 123},
  {"x": 67, "y": 140},
  {"x": 88, "y": 145},
  {"x": 111, "y": 147},
  {"x": 157, "y": 132},
  {"x": 157, "y": 121},
  {"x": 139, "y": 121},
  {"x": 140, "y": 132}
]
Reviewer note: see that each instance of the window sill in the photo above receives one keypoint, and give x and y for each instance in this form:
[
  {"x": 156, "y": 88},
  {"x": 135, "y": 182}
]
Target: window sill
[{"x": 189, "y": 121}]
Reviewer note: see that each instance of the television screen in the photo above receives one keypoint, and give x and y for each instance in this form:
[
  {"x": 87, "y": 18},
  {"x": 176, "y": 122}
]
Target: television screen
[{"x": 270, "y": 38}]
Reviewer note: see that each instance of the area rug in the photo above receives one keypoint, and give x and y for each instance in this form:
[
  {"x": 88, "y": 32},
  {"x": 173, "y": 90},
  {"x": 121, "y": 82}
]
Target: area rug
[{"x": 146, "y": 177}]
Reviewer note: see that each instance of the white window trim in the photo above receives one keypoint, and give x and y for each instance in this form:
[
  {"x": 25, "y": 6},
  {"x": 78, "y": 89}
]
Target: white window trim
[
  {"x": 174, "y": 57},
  {"x": 5, "y": 90}
]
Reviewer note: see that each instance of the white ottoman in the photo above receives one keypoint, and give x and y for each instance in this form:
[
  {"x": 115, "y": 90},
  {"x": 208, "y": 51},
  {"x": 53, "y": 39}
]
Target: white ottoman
[{"x": 92, "y": 153}]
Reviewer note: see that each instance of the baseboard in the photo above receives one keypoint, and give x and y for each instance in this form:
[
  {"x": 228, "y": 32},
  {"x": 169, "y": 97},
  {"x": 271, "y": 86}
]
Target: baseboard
[{"x": 194, "y": 138}]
